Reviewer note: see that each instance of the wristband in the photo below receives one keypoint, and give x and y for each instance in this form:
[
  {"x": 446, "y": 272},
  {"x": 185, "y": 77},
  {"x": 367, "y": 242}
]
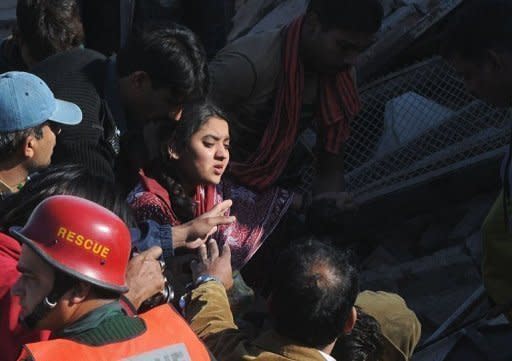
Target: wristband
[
  {"x": 205, "y": 278},
  {"x": 202, "y": 279}
]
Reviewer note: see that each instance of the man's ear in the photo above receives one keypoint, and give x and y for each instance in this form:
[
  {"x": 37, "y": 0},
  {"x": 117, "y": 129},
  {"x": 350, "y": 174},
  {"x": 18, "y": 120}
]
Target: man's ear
[
  {"x": 29, "y": 146},
  {"x": 350, "y": 322},
  {"x": 78, "y": 293},
  {"x": 140, "y": 79},
  {"x": 178, "y": 113},
  {"x": 172, "y": 152}
]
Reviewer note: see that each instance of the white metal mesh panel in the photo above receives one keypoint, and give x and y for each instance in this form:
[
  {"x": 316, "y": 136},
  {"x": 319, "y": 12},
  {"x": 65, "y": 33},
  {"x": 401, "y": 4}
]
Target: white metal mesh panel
[{"x": 416, "y": 122}]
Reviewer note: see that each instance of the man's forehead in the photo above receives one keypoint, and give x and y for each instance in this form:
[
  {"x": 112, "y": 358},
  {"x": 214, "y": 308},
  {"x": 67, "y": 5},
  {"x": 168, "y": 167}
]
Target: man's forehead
[
  {"x": 355, "y": 38},
  {"x": 30, "y": 261}
]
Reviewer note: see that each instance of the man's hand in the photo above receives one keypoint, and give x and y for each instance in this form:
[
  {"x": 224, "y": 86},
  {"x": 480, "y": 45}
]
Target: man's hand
[
  {"x": 194, "y": 233},
  {"x": 213, "y": 264},
  {"x": 144, "y": 276}
]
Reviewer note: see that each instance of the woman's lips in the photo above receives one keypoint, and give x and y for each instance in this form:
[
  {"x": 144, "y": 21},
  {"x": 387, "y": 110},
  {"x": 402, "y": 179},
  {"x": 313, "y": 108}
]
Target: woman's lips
[{"x": 218, "y": 169}]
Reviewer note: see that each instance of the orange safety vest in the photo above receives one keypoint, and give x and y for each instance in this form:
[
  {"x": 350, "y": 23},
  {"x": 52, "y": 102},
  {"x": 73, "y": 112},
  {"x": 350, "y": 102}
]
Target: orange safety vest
[{"x": 167, "y": 337}]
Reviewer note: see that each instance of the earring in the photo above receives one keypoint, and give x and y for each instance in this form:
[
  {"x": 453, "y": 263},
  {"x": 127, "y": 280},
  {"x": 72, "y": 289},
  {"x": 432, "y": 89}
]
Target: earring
[{"x": 48, "y": 303}]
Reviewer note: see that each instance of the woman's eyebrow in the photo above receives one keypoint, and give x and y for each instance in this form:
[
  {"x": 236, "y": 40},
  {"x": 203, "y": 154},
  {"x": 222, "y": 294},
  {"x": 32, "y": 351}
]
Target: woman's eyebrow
[{"x": 215, "y": 137}]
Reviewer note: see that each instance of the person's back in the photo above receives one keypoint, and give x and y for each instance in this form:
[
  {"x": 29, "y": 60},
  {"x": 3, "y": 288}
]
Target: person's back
[
  {"x": 145, "y": 337},
  {"x": 78, "y": 75},
  {"x": 150, "y": 79}
]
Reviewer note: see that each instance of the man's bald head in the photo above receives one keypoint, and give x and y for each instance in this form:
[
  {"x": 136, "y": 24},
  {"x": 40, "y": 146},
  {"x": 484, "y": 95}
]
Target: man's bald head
[{"x": 313, "y": 291}]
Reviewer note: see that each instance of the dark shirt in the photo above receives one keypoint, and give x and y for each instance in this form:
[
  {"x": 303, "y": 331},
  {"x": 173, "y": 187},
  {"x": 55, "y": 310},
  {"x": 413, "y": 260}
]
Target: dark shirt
[
  {"x": 10, "y": 57},
  {"x": 78, "y": 76},
  {"x": 105, "y": 325}
]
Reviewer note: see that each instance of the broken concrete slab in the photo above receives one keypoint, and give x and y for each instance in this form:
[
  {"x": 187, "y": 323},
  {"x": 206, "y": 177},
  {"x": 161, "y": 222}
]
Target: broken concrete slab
[
  {"x": 476, "y": 210},
  {"x": 474, "y": 247},
  {"x": 454, "y": 256},
  {"x": 380, "y": 257},
  {"x": 435, "y": 237},
  {"x": 433, "y": 286}
]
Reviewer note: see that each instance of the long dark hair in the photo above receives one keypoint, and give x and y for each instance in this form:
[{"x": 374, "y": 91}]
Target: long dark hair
[
  {"x": 164, "y": 170},
  {"x": 69, "y": 180}
]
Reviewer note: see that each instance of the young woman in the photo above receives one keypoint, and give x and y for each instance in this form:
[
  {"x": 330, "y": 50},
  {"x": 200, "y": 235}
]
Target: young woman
[{"x": 187, "y": 181}]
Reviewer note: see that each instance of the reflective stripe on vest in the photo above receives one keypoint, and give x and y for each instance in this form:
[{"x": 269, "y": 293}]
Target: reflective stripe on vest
[{"x": 167, "y": 338}]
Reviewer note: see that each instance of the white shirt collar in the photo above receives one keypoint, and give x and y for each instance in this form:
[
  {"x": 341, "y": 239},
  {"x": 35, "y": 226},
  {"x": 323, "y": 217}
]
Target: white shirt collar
[{"x": 326, "y": 356}]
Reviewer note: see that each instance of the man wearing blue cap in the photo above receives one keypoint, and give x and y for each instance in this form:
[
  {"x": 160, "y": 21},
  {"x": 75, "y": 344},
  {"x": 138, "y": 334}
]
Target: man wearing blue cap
[{"x": 30, "y": 119}]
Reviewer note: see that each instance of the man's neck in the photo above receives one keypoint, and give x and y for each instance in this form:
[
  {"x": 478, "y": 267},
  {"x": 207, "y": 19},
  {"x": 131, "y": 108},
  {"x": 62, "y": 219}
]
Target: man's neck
[
  {"x": 14, "y": 177},
  {"x": 328, "y": 349},
  {"x": 87, "y": 307}
]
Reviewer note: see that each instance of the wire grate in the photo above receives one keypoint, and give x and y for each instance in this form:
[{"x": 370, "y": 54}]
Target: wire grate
[{"x": 415, "y": 122}]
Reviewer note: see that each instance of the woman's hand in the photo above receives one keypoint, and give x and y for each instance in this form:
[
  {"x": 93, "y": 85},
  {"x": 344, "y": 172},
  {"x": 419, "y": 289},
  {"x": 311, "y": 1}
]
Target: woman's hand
[{"x": 194, "y": 233}]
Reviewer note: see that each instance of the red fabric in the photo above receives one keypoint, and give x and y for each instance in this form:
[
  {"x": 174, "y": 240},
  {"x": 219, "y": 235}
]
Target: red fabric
[
  {"x": 204, "y": 197},
  {"x": 12, "y": 335},
  {"x": 257, "y": 214},
  {"x": 338, "y": 104}
]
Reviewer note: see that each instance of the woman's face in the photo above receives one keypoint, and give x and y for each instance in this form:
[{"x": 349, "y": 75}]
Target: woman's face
[{"x": 205, "y": 159}]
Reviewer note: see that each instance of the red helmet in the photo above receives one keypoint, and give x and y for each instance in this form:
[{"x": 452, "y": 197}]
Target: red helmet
[{"x": 79, "y": 238}]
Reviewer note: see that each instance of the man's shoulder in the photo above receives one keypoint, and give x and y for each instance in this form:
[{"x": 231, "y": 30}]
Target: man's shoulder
[
  {"x": 258, "y": 44},
  {"x": 247, "y": 68},
  {"x": 10, "y": 56},
  {"x": 261, "y": 50},
  {"x": 74, "y": 58},
  {"x": 73, "y": 66}
]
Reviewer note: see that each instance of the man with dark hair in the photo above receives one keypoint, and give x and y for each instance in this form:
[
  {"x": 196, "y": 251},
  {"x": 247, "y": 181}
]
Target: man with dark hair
[
  {"x": 30, "y": 120},
  {"x": 320, "y": 284},
  {"x": 277, "y": 84},
  {"x": 159, "y": 70},
  {"x": 43, "y": 28},
  {"x": 150, "y": 79},
  {"x": 312, "y": 303},
  {"x": 478, "y": 45}
]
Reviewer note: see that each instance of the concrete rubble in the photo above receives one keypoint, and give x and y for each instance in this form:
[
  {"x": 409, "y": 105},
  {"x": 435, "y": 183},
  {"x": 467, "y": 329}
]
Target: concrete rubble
[{"x": 433, "y": 261}]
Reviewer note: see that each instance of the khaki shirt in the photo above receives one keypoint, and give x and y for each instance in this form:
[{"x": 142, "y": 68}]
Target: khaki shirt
[
  {"x": 211, "y": 319},
  {"x": 399, "y": 324},
  {"x": 497, "y": 248}
]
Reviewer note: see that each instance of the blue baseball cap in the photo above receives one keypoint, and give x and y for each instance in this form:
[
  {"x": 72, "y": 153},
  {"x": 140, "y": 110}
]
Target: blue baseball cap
[{"x": 26, "y": 102}]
